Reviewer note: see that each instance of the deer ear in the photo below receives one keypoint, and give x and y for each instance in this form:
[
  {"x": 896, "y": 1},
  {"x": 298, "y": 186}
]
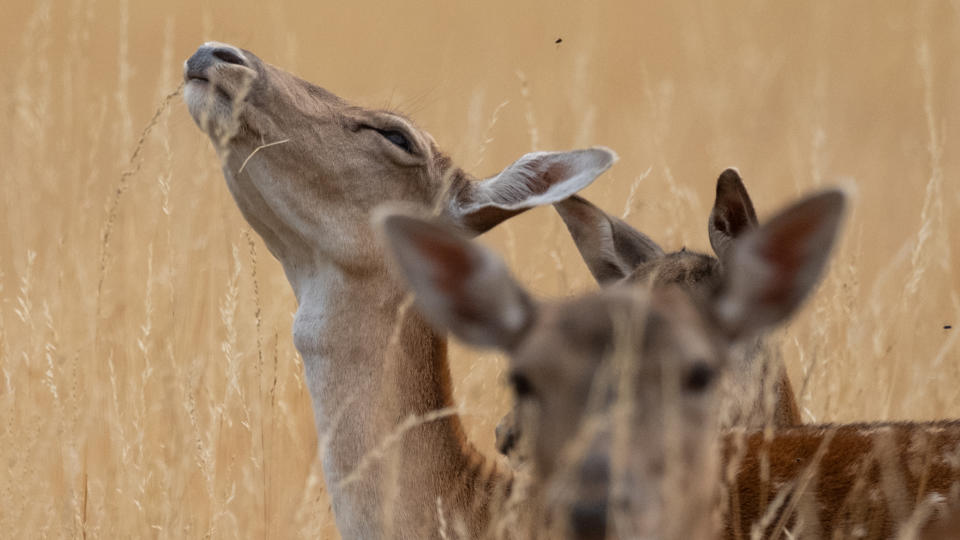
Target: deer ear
[
  {"x": 732, "y": 213},
  {"x": 611, "y": 248},
  {"x": 459, "y": 285},
  {"x": 771, "y": 270},
  {"x": 535, "y": 179}
]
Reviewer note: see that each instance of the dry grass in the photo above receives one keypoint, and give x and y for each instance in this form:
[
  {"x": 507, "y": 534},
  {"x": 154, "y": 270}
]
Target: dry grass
[{"x": 148, "y": 383}]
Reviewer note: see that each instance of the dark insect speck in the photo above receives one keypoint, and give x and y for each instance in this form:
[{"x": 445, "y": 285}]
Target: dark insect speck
[{"x": 559, "y": 41}]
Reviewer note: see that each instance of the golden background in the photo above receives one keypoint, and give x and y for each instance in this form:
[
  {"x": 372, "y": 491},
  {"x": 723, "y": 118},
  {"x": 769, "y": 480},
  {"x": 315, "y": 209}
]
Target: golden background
[{"x": 148, "y": 383}]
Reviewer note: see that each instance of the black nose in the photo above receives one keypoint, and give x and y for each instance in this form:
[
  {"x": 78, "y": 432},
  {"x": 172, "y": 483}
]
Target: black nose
[
  {"x": 209, "y": 55},
  {"x": 588, "y": 520}
]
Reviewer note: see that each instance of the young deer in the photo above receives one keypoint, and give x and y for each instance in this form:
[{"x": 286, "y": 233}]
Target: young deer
[
  {"x": 306, "y": 168},
  {"x": 638, "y": 451},
  {"x": 757, "y": 389},
  {"x": 619, "y": 389}
]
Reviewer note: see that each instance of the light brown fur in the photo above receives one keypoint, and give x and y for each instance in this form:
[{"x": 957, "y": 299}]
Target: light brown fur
[
  {"x": 872, "y": 480},
  {"x": 615, "y": 252},
  {"x": 618, "y": 390},
  {"x": 306, "y": 169},
  {"x": 638, "y": 260}
]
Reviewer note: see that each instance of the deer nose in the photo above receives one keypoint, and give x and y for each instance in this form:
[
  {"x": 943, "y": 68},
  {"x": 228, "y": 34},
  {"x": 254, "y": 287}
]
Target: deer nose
[
  {"x": 588, "y": 520},
  {"x": 588, "y": 514},
  {"x": 208, "y": 55}
]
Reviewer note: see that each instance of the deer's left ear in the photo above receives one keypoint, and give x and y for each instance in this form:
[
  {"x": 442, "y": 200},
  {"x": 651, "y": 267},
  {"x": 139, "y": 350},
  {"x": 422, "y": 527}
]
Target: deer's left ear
[
  {"x": 771, "y": 270},
  {"x": 611, "y": 248},
  {"x": 536, "y": 179},
  {"x": 459, "y": 285},
  {"x": 732, "y": 213}
]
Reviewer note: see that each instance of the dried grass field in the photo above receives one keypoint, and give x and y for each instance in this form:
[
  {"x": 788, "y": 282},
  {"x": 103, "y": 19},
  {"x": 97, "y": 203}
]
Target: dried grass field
[{"x": 149, "y": 387}]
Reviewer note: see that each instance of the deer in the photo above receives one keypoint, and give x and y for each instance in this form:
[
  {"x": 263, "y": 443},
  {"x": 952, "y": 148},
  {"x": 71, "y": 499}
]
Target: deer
[
  {"x": 306, "y": 169},
  {"x": 618, "y": 390},
  {"x": 757, "y": 389}
]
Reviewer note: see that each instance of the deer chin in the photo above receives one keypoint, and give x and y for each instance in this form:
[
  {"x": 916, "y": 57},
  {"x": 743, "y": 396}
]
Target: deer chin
[{"x": 217, "y": 101}]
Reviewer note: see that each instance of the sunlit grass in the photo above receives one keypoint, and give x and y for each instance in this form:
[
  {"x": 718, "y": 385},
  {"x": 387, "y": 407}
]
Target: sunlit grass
[{"x": 148, "y": 381}]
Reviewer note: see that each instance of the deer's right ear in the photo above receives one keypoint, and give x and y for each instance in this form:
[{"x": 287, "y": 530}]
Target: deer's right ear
[
  {"x": 732, "y": 213},
  {"x": 771, "y": 270},
  {"x": 536, "y": 179},
  {"x": 611, "y": 248},
  {"x": 459, "y": 285}
]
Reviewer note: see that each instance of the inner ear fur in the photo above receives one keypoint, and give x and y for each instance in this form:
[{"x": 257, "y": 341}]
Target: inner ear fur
[
  {"x": 536, "y": 179},
  {"x": 732, "y": 215},
  {"x": 610, "y": 247}
]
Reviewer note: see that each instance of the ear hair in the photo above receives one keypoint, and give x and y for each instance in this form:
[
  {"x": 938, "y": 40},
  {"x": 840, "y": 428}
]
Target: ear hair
[
  {"x": 535, "y": 179},
  {"x": 732, "y": 215},
  {"x": 771, "y": 270},
  {"x": 610, "y": 248},
  {"x": 459, "y": 285}
]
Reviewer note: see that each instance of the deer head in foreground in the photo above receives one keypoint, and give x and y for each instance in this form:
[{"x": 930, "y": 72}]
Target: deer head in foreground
[
  {"x": 756, "y": 389},
  {"x": 306, "y": 168},
  {"x": 618, "y": 389}
]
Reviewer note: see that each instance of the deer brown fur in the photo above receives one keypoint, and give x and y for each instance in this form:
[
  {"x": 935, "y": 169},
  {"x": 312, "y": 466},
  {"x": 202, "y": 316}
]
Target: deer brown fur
[
  {"x": 616, "y": 252},
  {"x": 864, "y": 480},
  {"x": 757, "y": 389},
  {"x": 619, "y": 389},
  {"x": 306, "y": 169},
  {"x": 872, "y": 480}
]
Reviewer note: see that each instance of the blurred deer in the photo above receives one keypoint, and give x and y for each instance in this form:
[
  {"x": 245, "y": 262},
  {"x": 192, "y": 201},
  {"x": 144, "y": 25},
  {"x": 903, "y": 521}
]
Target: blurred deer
[
  {"x": 757, "y": 390},
  {"x": 306, "y": 168},
  {"x": 619, "y": 390},
  {"x": 869, "y": 480}
]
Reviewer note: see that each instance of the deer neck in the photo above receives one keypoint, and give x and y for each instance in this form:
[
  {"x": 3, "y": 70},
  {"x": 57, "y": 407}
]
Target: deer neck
[
  {"x": 757, "y": 389},
  {"x": 378, "y": 373}
]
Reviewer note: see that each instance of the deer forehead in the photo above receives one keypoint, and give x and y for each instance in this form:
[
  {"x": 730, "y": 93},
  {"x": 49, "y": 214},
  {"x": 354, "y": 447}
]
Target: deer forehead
[
  {"x": 575, "y": 336},
  {"x": 688, "y": 268}
]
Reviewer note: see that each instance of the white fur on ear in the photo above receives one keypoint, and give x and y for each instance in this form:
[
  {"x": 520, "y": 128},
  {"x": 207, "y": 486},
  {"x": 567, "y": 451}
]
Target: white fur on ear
[{"x": 536, "y": 179}]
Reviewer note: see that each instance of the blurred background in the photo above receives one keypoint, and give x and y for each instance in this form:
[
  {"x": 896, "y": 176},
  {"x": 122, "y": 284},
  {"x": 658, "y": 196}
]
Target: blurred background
[{"x": 148, "y": 382}]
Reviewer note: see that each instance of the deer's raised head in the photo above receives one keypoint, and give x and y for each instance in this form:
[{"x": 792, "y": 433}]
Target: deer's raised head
[
  {"x": 306, "y": 167},
  {"x": 618, "y": 388}
]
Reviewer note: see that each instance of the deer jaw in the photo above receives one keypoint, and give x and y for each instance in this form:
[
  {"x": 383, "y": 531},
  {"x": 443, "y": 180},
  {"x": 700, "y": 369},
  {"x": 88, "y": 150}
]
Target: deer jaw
[{"x": 306, "y": 169}]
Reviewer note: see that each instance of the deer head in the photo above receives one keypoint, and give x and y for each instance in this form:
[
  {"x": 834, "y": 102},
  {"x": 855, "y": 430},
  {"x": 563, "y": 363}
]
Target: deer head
[
  {"x": 306, "y": 167},
  {"x": 616, "y": 252},
  {"x": 618, "y": 389}
]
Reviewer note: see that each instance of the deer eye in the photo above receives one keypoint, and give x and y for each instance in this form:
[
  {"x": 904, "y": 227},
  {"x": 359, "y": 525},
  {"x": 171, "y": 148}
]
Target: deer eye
[
  {"x": 699, "y": 377},
  {"x": 521, "y": 385},
  {"x": 397, "y": 138}
]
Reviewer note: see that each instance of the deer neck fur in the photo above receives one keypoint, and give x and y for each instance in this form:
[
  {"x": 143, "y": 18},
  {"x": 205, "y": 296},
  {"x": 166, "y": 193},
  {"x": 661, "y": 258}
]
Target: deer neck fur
[{"x": 373, "y": 367}]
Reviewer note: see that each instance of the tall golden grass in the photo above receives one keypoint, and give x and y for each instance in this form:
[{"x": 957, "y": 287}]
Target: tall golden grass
[{"x": 148, "y": 383}]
